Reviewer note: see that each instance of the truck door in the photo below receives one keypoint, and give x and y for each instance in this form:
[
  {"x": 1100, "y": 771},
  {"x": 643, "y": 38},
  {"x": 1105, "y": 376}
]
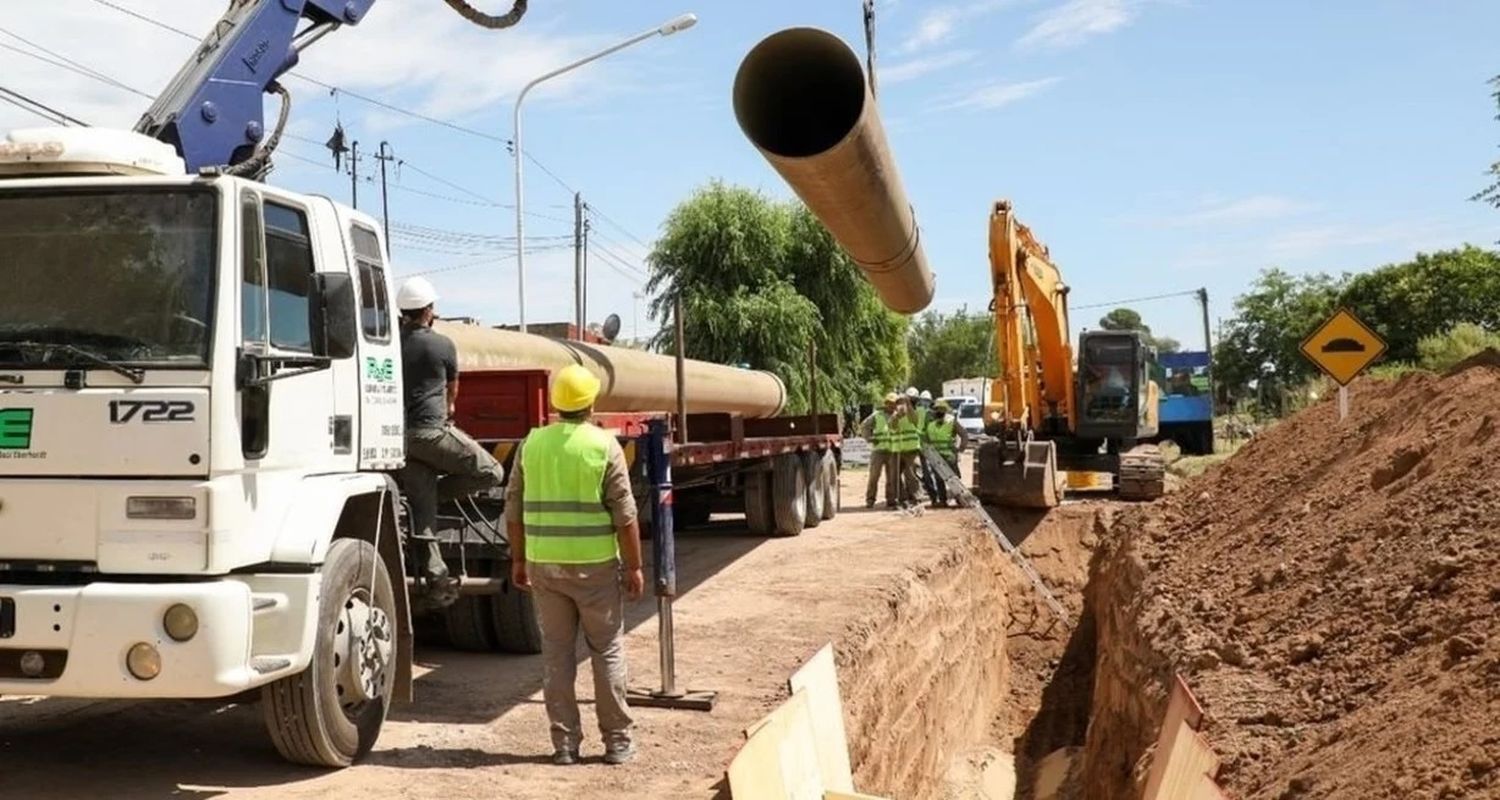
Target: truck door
[
  {"x": 381, "y": 441},
  {"x": 287, "y": 423}
]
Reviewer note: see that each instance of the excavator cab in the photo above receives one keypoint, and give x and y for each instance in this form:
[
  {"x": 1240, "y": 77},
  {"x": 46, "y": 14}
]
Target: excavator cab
[{"x": 1117, "y": 398}]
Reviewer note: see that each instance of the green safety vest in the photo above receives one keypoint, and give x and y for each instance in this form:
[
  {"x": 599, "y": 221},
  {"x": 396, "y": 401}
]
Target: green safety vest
[
  {"x": 908, "y": 437},
  {"x": 940, "y": 436},
  {"x": 882, "y": 439},
  {"x": 563, "y": 496}
]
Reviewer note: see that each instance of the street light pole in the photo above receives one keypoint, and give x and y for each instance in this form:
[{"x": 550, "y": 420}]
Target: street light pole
[{"x": 667, "y": 28}]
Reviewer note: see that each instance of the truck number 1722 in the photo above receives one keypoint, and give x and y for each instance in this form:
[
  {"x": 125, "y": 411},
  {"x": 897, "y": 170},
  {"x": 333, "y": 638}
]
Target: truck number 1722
[{"x": 123, "y": 411}]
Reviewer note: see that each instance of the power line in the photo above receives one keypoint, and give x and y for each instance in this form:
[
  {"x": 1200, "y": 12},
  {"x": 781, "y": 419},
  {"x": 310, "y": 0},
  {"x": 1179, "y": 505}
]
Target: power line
[
  {"x": 617, "y": 226},
  {"x": 622, "y": 269},
  {"x": 1135, "y": 300},
  {"x": 452, "y": 185},
  {"x": 46, "y": 112},
  {"x": 356, "y": 95},
  {"x": 77, "y": 70},
  {"x": 625, "y": 262}
]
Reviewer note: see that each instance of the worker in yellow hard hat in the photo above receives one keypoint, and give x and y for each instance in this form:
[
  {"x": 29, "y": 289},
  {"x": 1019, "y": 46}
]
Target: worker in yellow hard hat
[
  {"x": 575, "y": 543},
  {"x": 880, "y": 430},
  {"x": 442, "y": 462}
]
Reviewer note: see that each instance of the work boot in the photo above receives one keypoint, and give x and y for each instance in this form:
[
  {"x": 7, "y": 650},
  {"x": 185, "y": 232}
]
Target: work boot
[
  {"x": 619, "y": 752},
  {"x": 563, "y": 757}
]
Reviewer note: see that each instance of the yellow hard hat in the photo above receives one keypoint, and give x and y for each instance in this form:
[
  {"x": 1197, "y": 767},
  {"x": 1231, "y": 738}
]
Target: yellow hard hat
[
  {"x": 892, "y": 398},
  {"x": 574, "y": 388}
]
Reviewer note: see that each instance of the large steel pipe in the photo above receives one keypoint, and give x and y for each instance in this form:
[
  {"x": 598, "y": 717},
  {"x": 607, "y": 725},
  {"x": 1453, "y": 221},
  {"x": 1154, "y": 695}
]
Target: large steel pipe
[
  {"x": 802, "y": 99},
  {"x": 634, "y": 380}
]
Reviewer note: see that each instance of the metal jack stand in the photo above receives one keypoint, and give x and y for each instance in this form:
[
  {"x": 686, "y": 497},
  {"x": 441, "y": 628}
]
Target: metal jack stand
[{"x": 664, "y": 568}]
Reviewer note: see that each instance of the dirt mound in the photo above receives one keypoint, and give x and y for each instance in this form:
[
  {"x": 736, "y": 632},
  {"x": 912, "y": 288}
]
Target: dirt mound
[{"x": 1331, "y": 595}]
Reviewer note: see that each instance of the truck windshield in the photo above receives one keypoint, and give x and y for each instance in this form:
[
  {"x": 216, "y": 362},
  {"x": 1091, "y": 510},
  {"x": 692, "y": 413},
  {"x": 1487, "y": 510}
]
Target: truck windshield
[
  {"x": 127, "y": 274},
  {"x": 969, "y": 411}
]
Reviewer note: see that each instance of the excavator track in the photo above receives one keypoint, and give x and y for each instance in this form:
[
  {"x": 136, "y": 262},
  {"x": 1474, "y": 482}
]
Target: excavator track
[{"x": 1143, "y": 473}]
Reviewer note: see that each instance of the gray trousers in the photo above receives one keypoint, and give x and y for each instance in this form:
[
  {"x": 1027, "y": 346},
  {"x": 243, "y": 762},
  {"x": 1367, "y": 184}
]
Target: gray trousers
[
  {"x": 443, "y": 464},
  {"x": 591, "y": 598},
  {"x": 881, "y": 461},
  {"x": 911, "y": 481}
]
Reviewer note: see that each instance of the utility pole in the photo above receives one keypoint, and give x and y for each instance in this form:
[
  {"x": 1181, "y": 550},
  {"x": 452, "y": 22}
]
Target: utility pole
[
  {"x": 870, "y": 43},
  {"x": 354, "y": 174},
  {"x": 583, "y": 295},
  {"x": 1208, "y": 345},
  {"x": 578, "y": 263},
  {"x": 385, "y": 206}
]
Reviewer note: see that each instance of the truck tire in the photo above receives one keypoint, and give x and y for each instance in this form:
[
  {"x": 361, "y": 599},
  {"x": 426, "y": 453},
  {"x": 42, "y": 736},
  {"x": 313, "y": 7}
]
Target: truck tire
[
  {"x": 329, "y": 714},
  {"x": 758, "y": 516},
  {"x": 812, "y": 468},
  {"x": 831, "y": 489},
  {"x": 470, "y": 624},
  {"x": 514, "y": 617},
  {"x": 789, "y": 494}
]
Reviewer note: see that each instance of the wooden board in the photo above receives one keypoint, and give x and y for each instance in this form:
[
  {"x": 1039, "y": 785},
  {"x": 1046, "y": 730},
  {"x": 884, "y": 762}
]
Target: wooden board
[
  {"x": 779, "y": 761},
  {"x": 1190, "y": 762},
  {"x": 820, "y": 680},
  {"x": 1182, "y": 709}
]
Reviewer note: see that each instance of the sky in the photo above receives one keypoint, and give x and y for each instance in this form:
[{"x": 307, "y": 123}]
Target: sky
[{"x": 1156, "y": 146}]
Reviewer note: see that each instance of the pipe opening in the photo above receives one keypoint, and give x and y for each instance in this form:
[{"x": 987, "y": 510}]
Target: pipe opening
[{"x": 799, "y": 92}]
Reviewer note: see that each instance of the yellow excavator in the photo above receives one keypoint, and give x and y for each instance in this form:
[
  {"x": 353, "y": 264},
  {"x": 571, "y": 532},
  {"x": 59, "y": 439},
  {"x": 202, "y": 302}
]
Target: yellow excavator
[{"x": 1060, "y": 424}]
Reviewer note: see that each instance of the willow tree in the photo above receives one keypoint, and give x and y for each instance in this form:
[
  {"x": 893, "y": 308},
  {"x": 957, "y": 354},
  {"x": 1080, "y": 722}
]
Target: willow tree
[{"x": 760, "y": 281}]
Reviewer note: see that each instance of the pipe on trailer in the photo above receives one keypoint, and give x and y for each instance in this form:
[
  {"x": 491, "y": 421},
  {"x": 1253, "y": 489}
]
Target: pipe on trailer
[
  {"x": 801, "y": 98},
  {"x": 634, "y": 381}
]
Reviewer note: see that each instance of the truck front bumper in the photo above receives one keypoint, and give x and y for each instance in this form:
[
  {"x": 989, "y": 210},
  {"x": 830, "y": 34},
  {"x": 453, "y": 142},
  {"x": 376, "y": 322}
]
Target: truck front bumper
[{"x": 76, "y": 641}]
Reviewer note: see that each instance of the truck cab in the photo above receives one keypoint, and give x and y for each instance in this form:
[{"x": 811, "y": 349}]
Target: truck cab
[{"x": 200, "y": 405}]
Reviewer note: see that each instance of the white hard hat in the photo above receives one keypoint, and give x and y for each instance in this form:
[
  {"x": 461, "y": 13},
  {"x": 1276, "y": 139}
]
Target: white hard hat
[
  {"x": 926, "y": 395},
  {"x": 911, "y": 391},
  {"x": 416, "y": 293}
]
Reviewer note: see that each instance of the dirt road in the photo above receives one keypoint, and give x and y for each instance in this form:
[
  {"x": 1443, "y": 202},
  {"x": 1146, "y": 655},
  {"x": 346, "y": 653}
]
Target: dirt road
[{"x": 751, "y": 610}]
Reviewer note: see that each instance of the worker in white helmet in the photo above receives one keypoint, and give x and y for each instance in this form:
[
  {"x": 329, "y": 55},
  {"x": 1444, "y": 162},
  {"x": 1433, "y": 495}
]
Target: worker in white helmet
[
  {"x": 924, "y": 416},
  {"x": 442, "y": 462}
]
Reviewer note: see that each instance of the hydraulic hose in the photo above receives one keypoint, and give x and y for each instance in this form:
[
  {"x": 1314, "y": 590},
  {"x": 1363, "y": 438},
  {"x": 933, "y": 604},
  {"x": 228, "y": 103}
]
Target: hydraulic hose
[{"x": 490, "y": 21}]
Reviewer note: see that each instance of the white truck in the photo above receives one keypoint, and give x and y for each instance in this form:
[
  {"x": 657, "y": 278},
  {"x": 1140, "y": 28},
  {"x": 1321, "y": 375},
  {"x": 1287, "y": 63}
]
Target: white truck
[{"x": 200, "y": 404}]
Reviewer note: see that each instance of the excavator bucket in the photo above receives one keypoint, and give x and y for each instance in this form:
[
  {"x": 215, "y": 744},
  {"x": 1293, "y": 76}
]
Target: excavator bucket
[{"x": 1016, "y": 475}]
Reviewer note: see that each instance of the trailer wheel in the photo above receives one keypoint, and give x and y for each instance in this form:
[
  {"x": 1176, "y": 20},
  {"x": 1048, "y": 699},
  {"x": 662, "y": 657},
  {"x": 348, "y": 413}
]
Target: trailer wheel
[
  {"x": 470, "y": 624},
  {"x": 812, "y": 468},
  {"x": 831, "y": 489},
  {"x": 514, "y": 616},
  {"x": 330, "y": 714},
  {"x": 758, "y": 516},
  {"x": 789, "y": 494}
]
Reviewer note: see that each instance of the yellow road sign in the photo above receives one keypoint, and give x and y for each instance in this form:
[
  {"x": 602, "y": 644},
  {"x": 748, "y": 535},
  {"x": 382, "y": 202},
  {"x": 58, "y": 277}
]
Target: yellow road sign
[{"x": 1343, "y": 346}]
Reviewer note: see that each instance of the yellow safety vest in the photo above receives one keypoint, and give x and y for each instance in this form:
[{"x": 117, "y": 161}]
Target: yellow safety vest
[
  {"x": 563, "y": 496},
  {"x": 940, "y": 436},
  {"x": 882, "y": 439},
  {"x": 908, "y": 437}
]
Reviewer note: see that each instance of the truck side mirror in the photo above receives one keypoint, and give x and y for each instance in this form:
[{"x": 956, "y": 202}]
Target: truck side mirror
[{"x": 333, "y": 315}]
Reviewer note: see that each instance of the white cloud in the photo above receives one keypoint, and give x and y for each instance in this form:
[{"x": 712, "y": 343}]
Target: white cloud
[
  {"x": 1076, "y": 21},
  {"x": 406, "y": 52},
  {"x": 914, "y": 68},
  {"x": 1255, "y": 208},
  {"x": 939, "y": 24},
  {"x": 999, "y": 95}
]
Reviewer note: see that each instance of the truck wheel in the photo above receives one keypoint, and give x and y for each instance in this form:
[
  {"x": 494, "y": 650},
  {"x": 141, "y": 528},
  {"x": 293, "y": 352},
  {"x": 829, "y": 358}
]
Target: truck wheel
[
  {"x": 470, "y": 624},
  {"x": 831, "y": 488},
  {"x": 758, "y": 516},
  {"x": 330, "y": 714},
  {"x": 812, "y": 468},
  {"x": 789, "y": 494},
  {"x": 514, "y": 617}
]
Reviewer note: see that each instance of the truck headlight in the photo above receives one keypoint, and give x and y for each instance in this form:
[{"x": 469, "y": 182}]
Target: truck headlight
[{"x": 161, "y": 507}]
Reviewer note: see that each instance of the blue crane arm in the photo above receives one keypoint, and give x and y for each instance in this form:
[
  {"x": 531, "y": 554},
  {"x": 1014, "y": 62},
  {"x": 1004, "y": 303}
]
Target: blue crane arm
[{"x": 213, "y": 111}]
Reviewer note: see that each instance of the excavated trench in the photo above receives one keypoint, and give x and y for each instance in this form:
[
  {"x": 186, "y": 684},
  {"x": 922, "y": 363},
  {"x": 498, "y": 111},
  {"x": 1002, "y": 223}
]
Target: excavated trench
[{"x": 967, "y": 685}]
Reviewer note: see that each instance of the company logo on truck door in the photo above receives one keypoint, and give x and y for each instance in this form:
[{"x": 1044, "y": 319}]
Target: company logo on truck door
[
  {"x": 15, "y": 428},
  {"x": 380, "y": 369}
]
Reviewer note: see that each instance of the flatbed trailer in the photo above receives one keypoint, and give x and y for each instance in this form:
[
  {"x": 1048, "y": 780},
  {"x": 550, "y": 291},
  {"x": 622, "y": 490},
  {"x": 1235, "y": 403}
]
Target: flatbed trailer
[{"x": 780, "y": 473}]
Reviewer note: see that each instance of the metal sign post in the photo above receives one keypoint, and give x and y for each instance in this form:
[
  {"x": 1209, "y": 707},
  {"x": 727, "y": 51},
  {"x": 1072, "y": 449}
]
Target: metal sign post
[
  {"x": 1343, "y": 402},
  {"x": 656, "y": 449}
]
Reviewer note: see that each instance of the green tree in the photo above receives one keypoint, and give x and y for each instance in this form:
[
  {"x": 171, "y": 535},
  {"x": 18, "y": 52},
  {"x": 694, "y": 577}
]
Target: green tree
[
  {"x": 1491, "y": 193},
  {"x": 1128, "y": 319},
  {"x": 943, "y": 347},
  {"x": 1426, "y": 296},
  {"x": 1268, "y": 326},
  {"x": 1442, "y": 351},
  {"x": 761, "y": 280}
]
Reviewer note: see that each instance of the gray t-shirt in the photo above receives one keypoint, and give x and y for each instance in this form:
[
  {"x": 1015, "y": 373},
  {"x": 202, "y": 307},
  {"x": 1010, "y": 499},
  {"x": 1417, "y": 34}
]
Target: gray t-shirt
[{"x": 429, "y": 362}]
